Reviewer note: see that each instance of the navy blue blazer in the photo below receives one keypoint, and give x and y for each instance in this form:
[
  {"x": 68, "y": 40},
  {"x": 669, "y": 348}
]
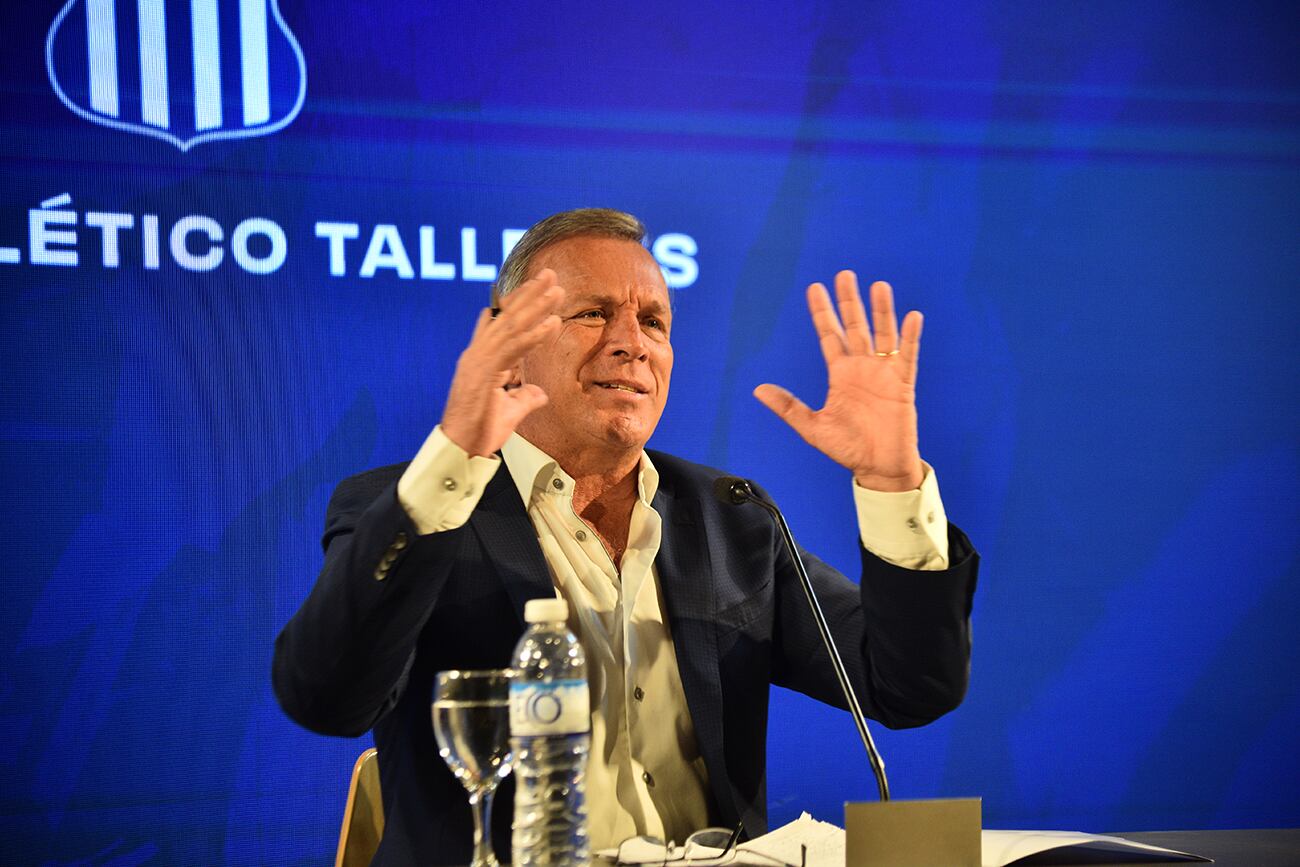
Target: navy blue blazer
[{"x": 391, "y": 608}]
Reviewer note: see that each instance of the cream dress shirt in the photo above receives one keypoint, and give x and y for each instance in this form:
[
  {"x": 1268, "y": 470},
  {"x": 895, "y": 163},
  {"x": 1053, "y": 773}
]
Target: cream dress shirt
[{"x": 645, "y": 774}]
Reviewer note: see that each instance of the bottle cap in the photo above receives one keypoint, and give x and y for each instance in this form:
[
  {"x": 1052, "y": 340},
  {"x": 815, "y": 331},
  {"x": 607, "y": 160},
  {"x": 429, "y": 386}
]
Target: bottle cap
[{"x": 546, "y": 611}]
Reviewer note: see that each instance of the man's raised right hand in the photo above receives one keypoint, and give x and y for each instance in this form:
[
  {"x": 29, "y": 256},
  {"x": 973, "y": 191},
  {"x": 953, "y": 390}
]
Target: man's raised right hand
[{"x": 484, "y": 403}]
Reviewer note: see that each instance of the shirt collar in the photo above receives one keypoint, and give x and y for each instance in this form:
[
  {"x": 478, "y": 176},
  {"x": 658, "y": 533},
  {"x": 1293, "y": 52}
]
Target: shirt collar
[{"x": 534, "y": 471}]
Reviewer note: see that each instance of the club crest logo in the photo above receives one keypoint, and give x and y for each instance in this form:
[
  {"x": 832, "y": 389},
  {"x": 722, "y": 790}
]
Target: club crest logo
[{"x": 185, "y": 71}]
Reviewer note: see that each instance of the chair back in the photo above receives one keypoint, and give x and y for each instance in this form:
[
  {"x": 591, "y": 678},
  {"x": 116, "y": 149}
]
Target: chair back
[{"x": 363, "y": 817}]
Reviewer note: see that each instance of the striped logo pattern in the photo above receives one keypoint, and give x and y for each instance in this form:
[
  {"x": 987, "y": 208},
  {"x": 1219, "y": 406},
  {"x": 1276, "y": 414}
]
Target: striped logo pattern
[{"x": 185, "y": 71}]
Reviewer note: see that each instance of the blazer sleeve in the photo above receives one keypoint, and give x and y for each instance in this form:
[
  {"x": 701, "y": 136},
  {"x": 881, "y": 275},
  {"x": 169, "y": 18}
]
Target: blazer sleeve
[
  {"x": 342, "y": 661},
  {"x": 904, "y": 635}
]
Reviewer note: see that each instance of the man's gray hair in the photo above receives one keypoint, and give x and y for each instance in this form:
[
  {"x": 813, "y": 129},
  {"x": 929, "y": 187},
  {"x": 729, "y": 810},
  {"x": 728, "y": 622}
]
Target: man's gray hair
[{"x": 581, "y": 222}]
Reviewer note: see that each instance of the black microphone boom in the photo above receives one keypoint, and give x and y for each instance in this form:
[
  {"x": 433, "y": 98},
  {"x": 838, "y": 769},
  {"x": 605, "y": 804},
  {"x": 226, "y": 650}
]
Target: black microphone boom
[{"x": 735, "y": 491}]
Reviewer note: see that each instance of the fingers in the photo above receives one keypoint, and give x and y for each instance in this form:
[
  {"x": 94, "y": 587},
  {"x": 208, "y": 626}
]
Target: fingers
[
  {"x": 909, "y": 349},
  {"x": 497, "y": 346},
  {"x": 529, "y": 288},
  {"x": 883, "y": 317},
  {"x": 855, "y": 336},
  {"x": 829, "y": 333},
  {"x": 527, "y": 398},
  {"x": 526, "y": 319},
  {"x": 791, "y": 409},
  {"x": 533, "y": 300},
  {"x": 856, "y": 332},
  {"x": 519, "y": 342},
  {"x": 484, "y": 317}
]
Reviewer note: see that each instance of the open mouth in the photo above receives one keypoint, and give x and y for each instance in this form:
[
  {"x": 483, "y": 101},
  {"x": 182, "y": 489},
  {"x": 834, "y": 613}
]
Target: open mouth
[{"x": 620, "y": 386}]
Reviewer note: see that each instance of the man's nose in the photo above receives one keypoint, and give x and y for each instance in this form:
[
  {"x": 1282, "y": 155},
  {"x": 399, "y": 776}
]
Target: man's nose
[{"x": 623, "y": 336}]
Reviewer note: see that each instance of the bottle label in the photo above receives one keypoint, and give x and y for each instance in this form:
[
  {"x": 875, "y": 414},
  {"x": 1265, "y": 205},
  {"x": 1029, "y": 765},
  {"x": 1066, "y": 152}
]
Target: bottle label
[{"x": 557, "y": 707}]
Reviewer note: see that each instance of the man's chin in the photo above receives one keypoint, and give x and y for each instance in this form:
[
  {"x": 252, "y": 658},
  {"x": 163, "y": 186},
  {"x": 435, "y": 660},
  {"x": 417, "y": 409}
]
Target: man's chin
[
  {"x": 627, "y": 433},
  {"x": 619, "y": 432}
]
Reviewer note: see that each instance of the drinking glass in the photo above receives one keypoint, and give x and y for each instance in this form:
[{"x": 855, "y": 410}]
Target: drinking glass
[{"x": 471, "y": 720}]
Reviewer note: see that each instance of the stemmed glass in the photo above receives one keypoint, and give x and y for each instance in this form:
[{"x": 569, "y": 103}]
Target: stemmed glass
[{"x": 471, "y": 720}]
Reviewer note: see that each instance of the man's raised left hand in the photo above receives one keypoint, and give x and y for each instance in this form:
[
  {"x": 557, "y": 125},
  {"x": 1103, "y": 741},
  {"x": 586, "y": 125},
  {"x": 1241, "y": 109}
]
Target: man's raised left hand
[{"x": 868, "y": 422}]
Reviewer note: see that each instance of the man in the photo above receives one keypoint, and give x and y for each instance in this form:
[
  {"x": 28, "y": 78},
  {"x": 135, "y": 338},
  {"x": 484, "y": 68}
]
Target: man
[{"x": 537, "y": 482}]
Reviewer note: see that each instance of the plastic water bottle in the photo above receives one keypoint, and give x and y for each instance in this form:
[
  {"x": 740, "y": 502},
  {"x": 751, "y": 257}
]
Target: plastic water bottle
[{"x": 550, "y": 729}]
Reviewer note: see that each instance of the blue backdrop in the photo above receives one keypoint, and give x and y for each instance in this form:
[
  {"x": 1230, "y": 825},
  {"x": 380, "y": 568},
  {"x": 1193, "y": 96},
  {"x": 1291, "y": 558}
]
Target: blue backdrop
[{"x": 224, "y": 291}]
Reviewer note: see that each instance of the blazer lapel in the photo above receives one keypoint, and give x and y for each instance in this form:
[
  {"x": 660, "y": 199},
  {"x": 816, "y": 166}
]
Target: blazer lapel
[
  {"x": 502, "y": 524},
  {"x": 684, "y": 569}
]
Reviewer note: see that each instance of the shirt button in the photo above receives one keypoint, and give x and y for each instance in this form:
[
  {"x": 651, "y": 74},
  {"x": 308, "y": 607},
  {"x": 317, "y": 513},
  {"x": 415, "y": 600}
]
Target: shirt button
[
  {"x": 911, "y": 522},
  {"x": 558, "y": 484},
  {"x": 929, "y": 517},
  {"x": 649, "y": 780},
  {"x": 582, "y": 535},
  {"x": 449, "y": 483},
  {"x": 638, "y": 694}
]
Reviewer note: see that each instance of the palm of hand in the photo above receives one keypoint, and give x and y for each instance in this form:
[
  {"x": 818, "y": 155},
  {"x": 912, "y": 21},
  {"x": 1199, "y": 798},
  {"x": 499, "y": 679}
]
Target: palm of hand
[{"x": 868, "y": 423}]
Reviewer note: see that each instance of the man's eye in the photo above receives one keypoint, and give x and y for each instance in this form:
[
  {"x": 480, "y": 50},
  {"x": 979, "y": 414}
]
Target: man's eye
[
  {"x": 656, "y": 322},
  {"x": 591, "y": 314}
]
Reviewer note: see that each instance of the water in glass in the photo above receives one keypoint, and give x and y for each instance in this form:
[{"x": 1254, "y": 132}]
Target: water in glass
[
  {"x": 474, "y": 739},
  {"x": 471, "y": 720}
]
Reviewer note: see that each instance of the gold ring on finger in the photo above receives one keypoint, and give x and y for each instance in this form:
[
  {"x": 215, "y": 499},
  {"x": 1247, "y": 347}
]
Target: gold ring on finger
[{"x": 886, "y": 354}]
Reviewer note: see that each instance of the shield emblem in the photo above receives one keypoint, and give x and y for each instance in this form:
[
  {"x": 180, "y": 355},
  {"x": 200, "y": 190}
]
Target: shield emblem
[{"x": 185, "y": 71}]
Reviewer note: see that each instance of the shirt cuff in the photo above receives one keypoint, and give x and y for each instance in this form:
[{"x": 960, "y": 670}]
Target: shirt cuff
[
  {"x": 908, "y": 528},
  {"x": 443, "y": 484}
]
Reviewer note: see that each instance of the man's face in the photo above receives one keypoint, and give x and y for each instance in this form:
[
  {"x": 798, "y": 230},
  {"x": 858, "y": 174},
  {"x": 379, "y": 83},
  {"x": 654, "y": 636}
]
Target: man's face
[{"x": 606, "y": 373}]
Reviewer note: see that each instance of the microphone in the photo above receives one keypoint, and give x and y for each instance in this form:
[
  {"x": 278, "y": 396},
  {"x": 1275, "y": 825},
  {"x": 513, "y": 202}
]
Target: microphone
[{"x": 736, "y": 491}]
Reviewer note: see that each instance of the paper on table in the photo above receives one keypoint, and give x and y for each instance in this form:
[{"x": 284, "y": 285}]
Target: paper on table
[
  {"x": 824, "y": 842},
  {"x": 805, "y": 841},
  {"x": 1000, "y": 848}
]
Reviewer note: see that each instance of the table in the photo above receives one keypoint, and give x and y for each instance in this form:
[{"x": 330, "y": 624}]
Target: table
[{"x": 1252, "y": 847}]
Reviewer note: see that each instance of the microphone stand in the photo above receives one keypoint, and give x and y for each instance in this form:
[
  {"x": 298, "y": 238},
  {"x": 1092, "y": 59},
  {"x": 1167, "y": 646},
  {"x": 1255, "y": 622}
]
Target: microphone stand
[
  {"x": 889, "y": 833},
  {"x": 739, "y": 491}
]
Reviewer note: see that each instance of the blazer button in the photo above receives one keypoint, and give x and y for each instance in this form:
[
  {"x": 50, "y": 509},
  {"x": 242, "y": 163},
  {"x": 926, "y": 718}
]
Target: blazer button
[
  {"x": 381, "y": 573},
  {"x": 399, "y": 542}
]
